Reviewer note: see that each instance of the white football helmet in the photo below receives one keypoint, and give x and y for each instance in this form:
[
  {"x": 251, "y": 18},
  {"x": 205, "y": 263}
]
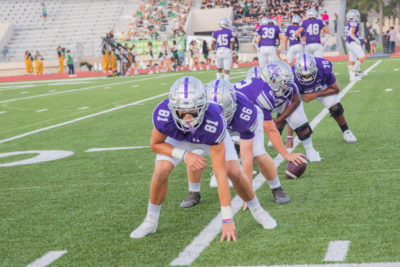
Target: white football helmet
[
  {"x": 296, "y": 20},
  {"x": 188, "y": 94},
  {"x": 272, "y": 22},
  {"x": 279, "y": 77},
  {"x": 353, "y": 15},
  {"x": 225, "y": 23},
  {"x": 264, "y": 21},
  {"x": 311, "y": 13},
  {"x": 253, "y": 72},
  {"x": 223, "y": 93},
  {"x": 306, "y": 68}
]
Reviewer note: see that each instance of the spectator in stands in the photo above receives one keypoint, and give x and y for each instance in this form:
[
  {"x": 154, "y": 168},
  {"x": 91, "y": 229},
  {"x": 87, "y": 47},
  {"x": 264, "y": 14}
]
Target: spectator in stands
[
  {"x": 39, "y": 63},
  {"x": 122, "y": 37},
  {"x": 392, "y": 39},
  {"x": 154, "y": 34},
  {"x": 28, "y": 63},
  {"x": 70, "y": 64},
  {"x": 181, "y": 32},
  {"x": 133, "y": 59},
  {"x": 44, "y": 12},
  {"x": 60, "y": 55},
  {"x": 325, "y": 18},
  {"x": 175, "y": 55},
  {"x": 5, "y": 53}
]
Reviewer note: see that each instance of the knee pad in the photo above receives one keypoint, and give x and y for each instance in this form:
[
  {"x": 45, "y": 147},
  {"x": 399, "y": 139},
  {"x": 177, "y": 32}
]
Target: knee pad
[
  {"x": 301, "y": 128},
  {"x": 336, "y": 110}
]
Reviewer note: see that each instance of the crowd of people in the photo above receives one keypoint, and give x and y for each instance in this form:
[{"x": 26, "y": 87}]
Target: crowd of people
[{"x": 153, "y": 17}]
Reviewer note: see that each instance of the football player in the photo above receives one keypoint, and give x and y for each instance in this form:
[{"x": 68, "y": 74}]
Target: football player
[
  {"x": 259, "y": 91},
  {"x": 267, "y": 36},
  {"x": 356, "y": 53},
  {"x": 295, "y": 46},
  {"x": 223, "y": 43},
  {"x": 246, "y": 120},
  {"x": 186, "y": 122},
  {"x": 312, "y": 27},
  {"x": 315, "y": 80}
]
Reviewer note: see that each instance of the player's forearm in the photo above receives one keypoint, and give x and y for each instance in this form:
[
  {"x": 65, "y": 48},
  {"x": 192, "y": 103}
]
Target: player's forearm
[
  {"x": 275, "y": 138},
  {"x": 327, "y": 91}
]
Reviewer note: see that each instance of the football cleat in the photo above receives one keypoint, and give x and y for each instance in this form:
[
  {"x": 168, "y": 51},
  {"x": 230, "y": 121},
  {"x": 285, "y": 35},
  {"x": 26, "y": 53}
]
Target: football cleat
[
  {"x": 313, "y": 156},
  {"x": 191, "y": 200},
  {"x": 280, "y": 195},
  {"x": 147, "y": 227},
  {"x": 349, "y": 137},
  {"x": 262, "y": 217}
]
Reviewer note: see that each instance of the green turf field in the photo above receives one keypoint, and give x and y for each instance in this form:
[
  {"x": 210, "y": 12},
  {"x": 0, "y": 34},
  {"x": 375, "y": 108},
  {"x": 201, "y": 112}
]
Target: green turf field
[{"x": 88, "y": 203}]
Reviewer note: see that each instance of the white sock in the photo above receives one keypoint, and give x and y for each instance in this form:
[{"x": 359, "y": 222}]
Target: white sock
[
  {"x": 308, "y": 144},
  {"x": 275, "y": 183},
  {"x": 153, "y": 212},
  {"x": 226, "y": 77},
  {"x": 194, "y": 187},
  {"x": 219, "y": 75},
  {"x": 253, "y": 204},
  {"x": 357, "y": 66},
  {"x": 351, "y": 69}
]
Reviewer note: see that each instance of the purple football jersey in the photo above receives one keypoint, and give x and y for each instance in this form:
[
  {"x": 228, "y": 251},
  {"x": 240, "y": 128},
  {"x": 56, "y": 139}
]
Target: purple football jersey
[
  {"x": 350, "y": 25},
  {"x": 269, "y": 34},
  {"x": 312, "y": 29},
  {"x": 223, "y": 38},
  {"x": 259, "y": 93},
  {"x": 324, "y": 77},
  {"x": 211, "y": 132},
  {"x": 279, "y": 100},
  {"x": 291, "y": 33},
  {"x": 244, "y": 119}
]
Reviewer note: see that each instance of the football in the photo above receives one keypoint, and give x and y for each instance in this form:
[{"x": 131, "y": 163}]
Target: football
[{"x": 293, "y": 171}]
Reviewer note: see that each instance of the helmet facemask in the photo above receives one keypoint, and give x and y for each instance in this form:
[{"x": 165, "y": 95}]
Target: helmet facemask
[{"x": 306, "y": 69}]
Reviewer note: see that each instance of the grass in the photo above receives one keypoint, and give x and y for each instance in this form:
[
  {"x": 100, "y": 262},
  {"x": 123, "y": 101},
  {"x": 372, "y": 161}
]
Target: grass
[{"x": 88, "y": 203}]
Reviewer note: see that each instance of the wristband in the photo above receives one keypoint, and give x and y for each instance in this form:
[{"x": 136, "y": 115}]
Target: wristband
[
  {"x": 178, "y": 153},
  {"x": 227, "y": 221},
  {"x": 226, "y": 213},
  {"x": 289, "y": 137}
]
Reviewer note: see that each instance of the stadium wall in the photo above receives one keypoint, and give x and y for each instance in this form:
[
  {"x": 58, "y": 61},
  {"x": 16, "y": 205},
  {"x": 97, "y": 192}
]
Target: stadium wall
[
  {"x": 6, "y": 32},
  {"x": 201, "y": 21}
]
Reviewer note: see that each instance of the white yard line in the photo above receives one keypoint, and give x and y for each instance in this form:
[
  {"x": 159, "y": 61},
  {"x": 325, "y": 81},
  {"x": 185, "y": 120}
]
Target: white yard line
[
  {"x": 206, "y": 236},
  {"x": 47, "y": 259},
  {"x": 81, "y": 118},
  {"x": 388, "y": 90},
  {"x": 369, "y": 264},
  {"x": 85, "y": 88},
  {"x": 115, "y": 148},
  {"x": 337, "y": 250},
  {"x": 41, "y": 110}
]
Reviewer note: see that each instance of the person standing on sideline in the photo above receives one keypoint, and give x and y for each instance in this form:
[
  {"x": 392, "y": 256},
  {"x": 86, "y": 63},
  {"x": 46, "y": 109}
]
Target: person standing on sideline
[
  {"x": 5, "y": 53},
  {"x": 206, "y": 51},
  {"x": 28, "y": 63},
  {"x": 39, "y": 63},
  {"x": 70, "y": 64},
  {"x": 105, "y": 59},
  {"x": 392, "y": 39},
  {"x": 223, "y": 44},
  {"x": 60, "y": 55},
  {"x": 325, "y": 18}
]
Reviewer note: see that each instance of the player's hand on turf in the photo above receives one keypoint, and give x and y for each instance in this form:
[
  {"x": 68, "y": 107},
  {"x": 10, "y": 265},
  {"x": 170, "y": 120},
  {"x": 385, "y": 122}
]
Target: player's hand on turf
[
  {"x": 228, "y": 232},
  {"x": 296, "y": 158},
  {"x": 195, "y": 162}
]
